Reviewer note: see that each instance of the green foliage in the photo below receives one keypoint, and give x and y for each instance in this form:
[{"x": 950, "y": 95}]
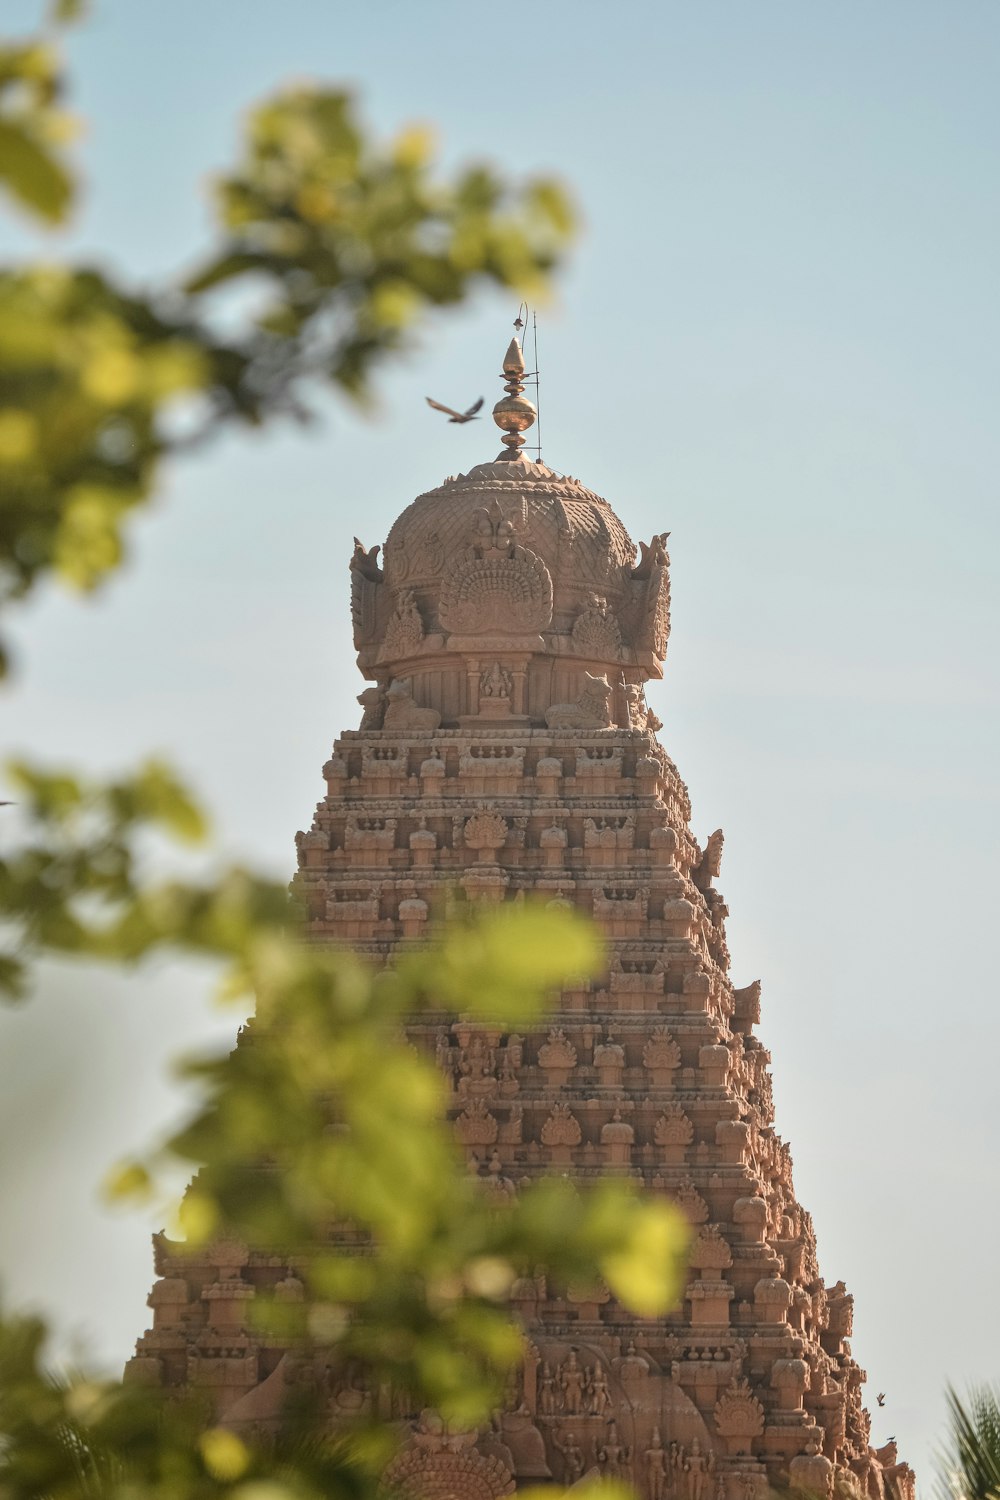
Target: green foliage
[
  {"x": 325, "y": 1125},
  {"x": 325, "y": 1092},
  {"x": 505, "y": 966},
  {"x": 33, "y": 131},
  {"x": 345, "y": 244},
  {"x": 74, "y": 885},
  {"x": 74, "y": 1438},
  {"x": 969, "y": 1468},
  {"x": 87, "y": 376}
]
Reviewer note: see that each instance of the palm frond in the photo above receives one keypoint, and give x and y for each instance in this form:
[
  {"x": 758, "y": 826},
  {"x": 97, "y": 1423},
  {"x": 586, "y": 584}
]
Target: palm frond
[{"x": 969, "y": 1467}]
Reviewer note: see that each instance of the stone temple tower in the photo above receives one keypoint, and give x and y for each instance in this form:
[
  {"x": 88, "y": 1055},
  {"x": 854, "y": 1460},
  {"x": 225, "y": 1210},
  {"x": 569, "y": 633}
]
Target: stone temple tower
[{"x": 506, "y": 748}]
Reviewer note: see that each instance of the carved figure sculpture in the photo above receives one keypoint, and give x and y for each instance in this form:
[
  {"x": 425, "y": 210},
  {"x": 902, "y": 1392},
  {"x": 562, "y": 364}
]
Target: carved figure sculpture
[
  {"x": 365, "y": 562},
  {"x": 612, "y": 1454},
  {"x": 372, "y": 700},
  {"x": 565, "y": 1442},
  {"x": 595, "y": 629},
  {"x": 591, "y": 710},
  {"x": 652, "y": 554},
  {"x": 546, "y": 1390},
  {"x": 404, "y": 634},
  {"x": 402, "y": 713},
  {"x": 599, "y": 1391},
  {"x": 697, "y": 1469},
  {"x": 708, "y": 867},
  {"x": 655, "y": 1466},
  {"x": 571, "y": 1381},
  {"x": 495, "y": 682},
  {"x": 635, "y": 700}
]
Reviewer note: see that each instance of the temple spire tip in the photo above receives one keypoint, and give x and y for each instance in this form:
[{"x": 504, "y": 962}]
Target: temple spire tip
[{"x": 513, "y": 413}]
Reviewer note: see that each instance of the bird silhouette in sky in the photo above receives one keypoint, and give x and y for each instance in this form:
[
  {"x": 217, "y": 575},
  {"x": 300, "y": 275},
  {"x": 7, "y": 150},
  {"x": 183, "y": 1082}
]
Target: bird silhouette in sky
[
  {"x": 456, "y": 416},
  {"x": 880, "y": 1398}
]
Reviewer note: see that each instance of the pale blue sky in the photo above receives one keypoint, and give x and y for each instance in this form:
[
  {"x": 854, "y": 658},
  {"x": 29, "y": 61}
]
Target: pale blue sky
[{"x": 777, "y": 339}]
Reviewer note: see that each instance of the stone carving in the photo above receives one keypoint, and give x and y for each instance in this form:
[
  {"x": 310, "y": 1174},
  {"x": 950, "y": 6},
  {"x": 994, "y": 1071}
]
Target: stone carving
[
  {"x": 598, "y": 1391},
  {"x": 562, "y": 1128},
  {"x": 496, "y": 585},
  {"x": 739, "y": 1417},
  {"x": 366, "y": 562},
  {"x": 366, "y": 575},
  {"x": 439, "y": 1464},
  {"x": 698, "y": 1468},
  {"x": 691, "y": 1203},
  {"x": 402, "y": 713},
  {"x": 595, "y": 629},
  {"x": 661, "y": 1057},
  {"x": 609, "y": 833},
  {"x": 652, "y": 555},
  {"x": 746, "y": 1003},
  {"x": 557, "y": 1058},
  {"x": 591, "y": 710},
  {"x": 613, "y": 1457},
  {"x": 653, "y": 629},
  {"x": 565, "y": 1443},
  {"x": 485, "y": 831},
  {"x": 655, "y": 1460},
  {"x": 639, "y": 715},
  {"x": 710, "y": 1252},
  {"x": 654, "y": 1071},
  {"x": 710, "y": 863},
  {"x": 812, "y": 1474},
  {"x": 372, "y": 701},
  {"x": 525, "y": 1444},
  {"x": 617, "y": 1138},
  {"x": 495, "y": 682},
  {"x": 404, "y": 634},
  {"x": 840, "y": 1312},
  {"x": 369, "y": 833},
  {"x": 475, "y": 1126},
  {"x": 673, "y": 1128},
  {"x": 609, "y": 1061},
  {"x": 572, "y": 1383}
]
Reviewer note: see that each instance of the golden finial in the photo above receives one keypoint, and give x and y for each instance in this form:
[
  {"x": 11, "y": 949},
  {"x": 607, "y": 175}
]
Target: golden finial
[{"x": 513, "y": 413}]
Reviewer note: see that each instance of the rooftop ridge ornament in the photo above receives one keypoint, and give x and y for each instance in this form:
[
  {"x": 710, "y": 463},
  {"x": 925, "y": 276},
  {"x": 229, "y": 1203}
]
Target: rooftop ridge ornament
[{"x": 513, "y": 413}]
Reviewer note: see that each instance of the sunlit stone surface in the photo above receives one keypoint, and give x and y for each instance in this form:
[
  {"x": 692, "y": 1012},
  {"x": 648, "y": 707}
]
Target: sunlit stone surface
[{"x": 506, "y": 748}]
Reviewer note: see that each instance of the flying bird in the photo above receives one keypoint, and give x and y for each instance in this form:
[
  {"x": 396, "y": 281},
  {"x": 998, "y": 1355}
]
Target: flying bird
[
  {"x": 880, "y": 1398},
  {"x": 456, "y": 416}
]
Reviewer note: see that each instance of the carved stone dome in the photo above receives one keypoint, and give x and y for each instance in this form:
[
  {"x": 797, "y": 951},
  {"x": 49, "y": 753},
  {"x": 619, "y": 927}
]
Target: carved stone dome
[
  {"x": 510, "y": 593},
  {"x": 575, "y": 534}
]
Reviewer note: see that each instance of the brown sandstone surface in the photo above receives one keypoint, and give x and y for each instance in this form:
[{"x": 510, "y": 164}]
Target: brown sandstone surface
[{"x": 506, "y": 749}]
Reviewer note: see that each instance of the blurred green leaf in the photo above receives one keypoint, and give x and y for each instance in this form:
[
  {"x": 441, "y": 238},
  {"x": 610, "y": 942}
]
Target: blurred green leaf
[
  {"x": 647, "y": 1271},
  {"x": 509, "y": 959},
  {"x": 33, "y": 174},
  {"x": 324, "y": 1129},
  {"x": 65, "y": 11}
]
